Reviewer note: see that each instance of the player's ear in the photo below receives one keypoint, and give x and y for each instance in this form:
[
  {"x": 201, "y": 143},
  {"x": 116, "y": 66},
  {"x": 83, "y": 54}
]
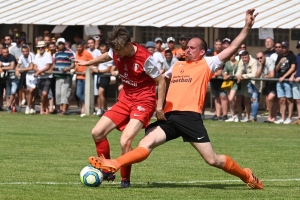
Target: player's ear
[{"x": 202, "y": 52}]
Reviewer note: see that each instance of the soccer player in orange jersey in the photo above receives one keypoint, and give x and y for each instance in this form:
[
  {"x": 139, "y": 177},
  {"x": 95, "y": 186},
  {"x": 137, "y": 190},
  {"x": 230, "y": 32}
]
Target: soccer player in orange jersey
[{"x": 183, "y": 109}]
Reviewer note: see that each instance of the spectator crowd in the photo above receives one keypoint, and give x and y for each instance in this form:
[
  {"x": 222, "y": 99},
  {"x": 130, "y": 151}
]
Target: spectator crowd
[{"x": 46, "y": 69}]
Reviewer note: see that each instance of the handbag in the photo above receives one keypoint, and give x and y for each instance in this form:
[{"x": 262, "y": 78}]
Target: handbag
[{"x": 227, "y": 84}]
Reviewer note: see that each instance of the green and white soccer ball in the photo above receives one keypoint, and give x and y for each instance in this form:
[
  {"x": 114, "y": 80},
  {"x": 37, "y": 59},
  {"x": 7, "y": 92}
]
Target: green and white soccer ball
[{"x": 91, "y": 177}]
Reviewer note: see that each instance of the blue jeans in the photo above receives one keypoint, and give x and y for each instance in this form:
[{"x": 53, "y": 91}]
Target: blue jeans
[
  {"x": 254, "y": 95},
  {"x": 80, "y": 89},
  {"x": 284, "y": 89},
  {"x": 11, "y": 86}
]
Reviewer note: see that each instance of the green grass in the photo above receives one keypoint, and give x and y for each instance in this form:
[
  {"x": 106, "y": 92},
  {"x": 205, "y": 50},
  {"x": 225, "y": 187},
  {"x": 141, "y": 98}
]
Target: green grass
[{"x": 38, "y": 150}]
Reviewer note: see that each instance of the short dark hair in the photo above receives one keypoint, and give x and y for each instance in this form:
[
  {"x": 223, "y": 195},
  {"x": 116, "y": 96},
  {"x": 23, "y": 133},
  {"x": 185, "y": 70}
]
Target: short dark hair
[
  {"x": 103, "y": 45},
  {"x": 168, "y": 51},
  {"x": 80, "y": 43},
  {"x": 245, "y": 53},
  {"x": 218, "y": 40},
  {"x": 90, "y": 38},
  {"x": 25, "y": 47},
  {"x": 77, "y": 35}
]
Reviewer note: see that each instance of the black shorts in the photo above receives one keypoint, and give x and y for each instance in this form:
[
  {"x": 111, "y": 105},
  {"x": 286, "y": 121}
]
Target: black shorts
[
  {"x": 270, "y": 87},
  {"x": 44, "y": 85},
  {"x": 22, "y": 82},
  {"x": 188, "y": 125},
  {"x": 103, "y": 82}
]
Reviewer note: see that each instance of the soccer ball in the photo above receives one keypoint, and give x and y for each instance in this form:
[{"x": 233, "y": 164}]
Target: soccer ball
[{"x": 91, "y": 177}]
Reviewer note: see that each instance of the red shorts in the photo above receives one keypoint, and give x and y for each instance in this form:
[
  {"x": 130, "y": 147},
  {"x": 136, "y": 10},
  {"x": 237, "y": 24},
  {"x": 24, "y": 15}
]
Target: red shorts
[{"x": 121, "y": 113}]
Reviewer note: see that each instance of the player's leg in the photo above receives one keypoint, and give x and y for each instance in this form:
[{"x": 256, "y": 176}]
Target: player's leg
[
  {"x": 155, "y": 136},
  {"x": 191, "y": 128},
  {"x": 117, "y": 116},
  {"x": 139, "y": 117},
  {"x": 227, "y": 164},
  {"x": 99, "y": 132}
]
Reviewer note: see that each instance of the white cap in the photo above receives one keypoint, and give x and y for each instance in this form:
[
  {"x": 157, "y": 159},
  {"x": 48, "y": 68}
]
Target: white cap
[
  {"x": 60, "y": 40},
  {"x": 96, "y": 37},
  {"x": 241, "y": 51},
  {"x": 170, "y": 39}
]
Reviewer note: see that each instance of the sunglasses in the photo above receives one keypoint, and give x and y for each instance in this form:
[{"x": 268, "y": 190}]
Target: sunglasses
[
  {"x": 60, "y": 43},
  {"x": 258, "y": 58}
]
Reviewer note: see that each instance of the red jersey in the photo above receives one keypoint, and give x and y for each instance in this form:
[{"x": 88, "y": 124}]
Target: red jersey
[{"x": 137, "y": 73}]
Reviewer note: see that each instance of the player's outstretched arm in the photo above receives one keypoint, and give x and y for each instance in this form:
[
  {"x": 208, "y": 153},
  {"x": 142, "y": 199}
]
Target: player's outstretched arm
[
  {"x": 100, "y": 59},
  {"x": 236, "y": 43}
]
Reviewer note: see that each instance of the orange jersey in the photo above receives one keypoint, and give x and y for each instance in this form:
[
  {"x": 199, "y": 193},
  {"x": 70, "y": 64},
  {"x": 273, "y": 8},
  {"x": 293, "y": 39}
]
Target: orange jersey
[
  {"x": 188, "y": 84},
  {"x": 86, "y": 56}
]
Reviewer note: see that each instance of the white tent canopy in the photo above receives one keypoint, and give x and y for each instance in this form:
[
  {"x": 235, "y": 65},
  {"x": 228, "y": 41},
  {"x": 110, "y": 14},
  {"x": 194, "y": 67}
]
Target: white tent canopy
[{"x": 157, "y": 13}]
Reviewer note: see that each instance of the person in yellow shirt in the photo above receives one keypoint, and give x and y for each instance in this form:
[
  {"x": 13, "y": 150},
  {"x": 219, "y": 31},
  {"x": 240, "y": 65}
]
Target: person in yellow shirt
[{"x": 184, "y": 104}]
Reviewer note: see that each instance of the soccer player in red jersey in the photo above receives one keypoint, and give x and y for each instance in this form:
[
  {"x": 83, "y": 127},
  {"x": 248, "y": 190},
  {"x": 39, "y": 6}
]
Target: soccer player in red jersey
[
  {"x": 137, "y": 101},
  {"x": 184, "y": 104}
]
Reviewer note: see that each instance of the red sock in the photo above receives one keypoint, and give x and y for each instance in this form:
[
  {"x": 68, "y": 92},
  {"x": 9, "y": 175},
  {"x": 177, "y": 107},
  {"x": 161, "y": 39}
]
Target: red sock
[
  {"x": 125, "y": 172},
  {"x": 233, "y": 168},
  {"x": 102, "y": 147}
]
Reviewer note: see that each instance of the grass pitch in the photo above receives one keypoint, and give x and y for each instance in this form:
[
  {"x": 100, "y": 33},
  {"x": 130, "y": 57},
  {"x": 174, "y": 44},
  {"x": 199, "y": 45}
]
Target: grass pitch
[{"x": 41, "y": 157}]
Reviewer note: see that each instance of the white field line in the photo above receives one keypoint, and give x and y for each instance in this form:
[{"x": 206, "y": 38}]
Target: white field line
[{"x": 145, "y": 183}]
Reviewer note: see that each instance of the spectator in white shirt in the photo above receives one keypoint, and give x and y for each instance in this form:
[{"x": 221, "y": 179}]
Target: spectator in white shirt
[
  {"x": 25, "y": 64},
  {"x": 42, "y": 63},
  {"x": 158, "y": 57}
]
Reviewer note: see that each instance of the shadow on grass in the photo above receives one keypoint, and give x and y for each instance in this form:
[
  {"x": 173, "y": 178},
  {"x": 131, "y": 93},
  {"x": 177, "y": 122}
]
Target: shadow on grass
[{"x": 194, "y": 185}]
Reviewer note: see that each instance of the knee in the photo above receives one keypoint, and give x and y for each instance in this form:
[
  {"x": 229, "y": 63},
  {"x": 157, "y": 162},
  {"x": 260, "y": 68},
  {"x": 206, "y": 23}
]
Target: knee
[
  {"x": 96, "y": 134},
  {"x": 44, "y": 94},
  {"x": 125, "y": 143},
  {"x": 254, "y": 100},
  {"x": 212, "y": 162},
  {"x": 282, "y": 101},
  {"x": 215, "y": 161}
]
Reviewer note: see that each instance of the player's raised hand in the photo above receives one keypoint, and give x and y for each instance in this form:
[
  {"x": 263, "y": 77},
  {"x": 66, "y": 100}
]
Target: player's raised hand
[{"x": 250, "y": 17}]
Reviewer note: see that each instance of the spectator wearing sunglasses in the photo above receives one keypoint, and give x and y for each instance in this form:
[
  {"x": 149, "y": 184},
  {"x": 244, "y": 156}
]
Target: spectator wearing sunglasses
[
  {"x": 285, "y": 66},
  {"x": 266, "y": 69},
  {"x": 278, "y": 49}
]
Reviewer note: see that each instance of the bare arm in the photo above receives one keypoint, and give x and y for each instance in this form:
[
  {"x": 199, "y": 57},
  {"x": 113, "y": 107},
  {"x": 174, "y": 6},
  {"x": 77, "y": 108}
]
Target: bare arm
[
  {"x": 25, "y": 69},
  {"x": 160, "y": 81},
  {"x": 291, "y": 71},
  {"x": 236, "y": 43},
  {"x": 270, "y": 75},
  {"x": 277, "y": 68},
  {"x": 100, "y": 59},
  {"x": 10, "y": 67}
]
